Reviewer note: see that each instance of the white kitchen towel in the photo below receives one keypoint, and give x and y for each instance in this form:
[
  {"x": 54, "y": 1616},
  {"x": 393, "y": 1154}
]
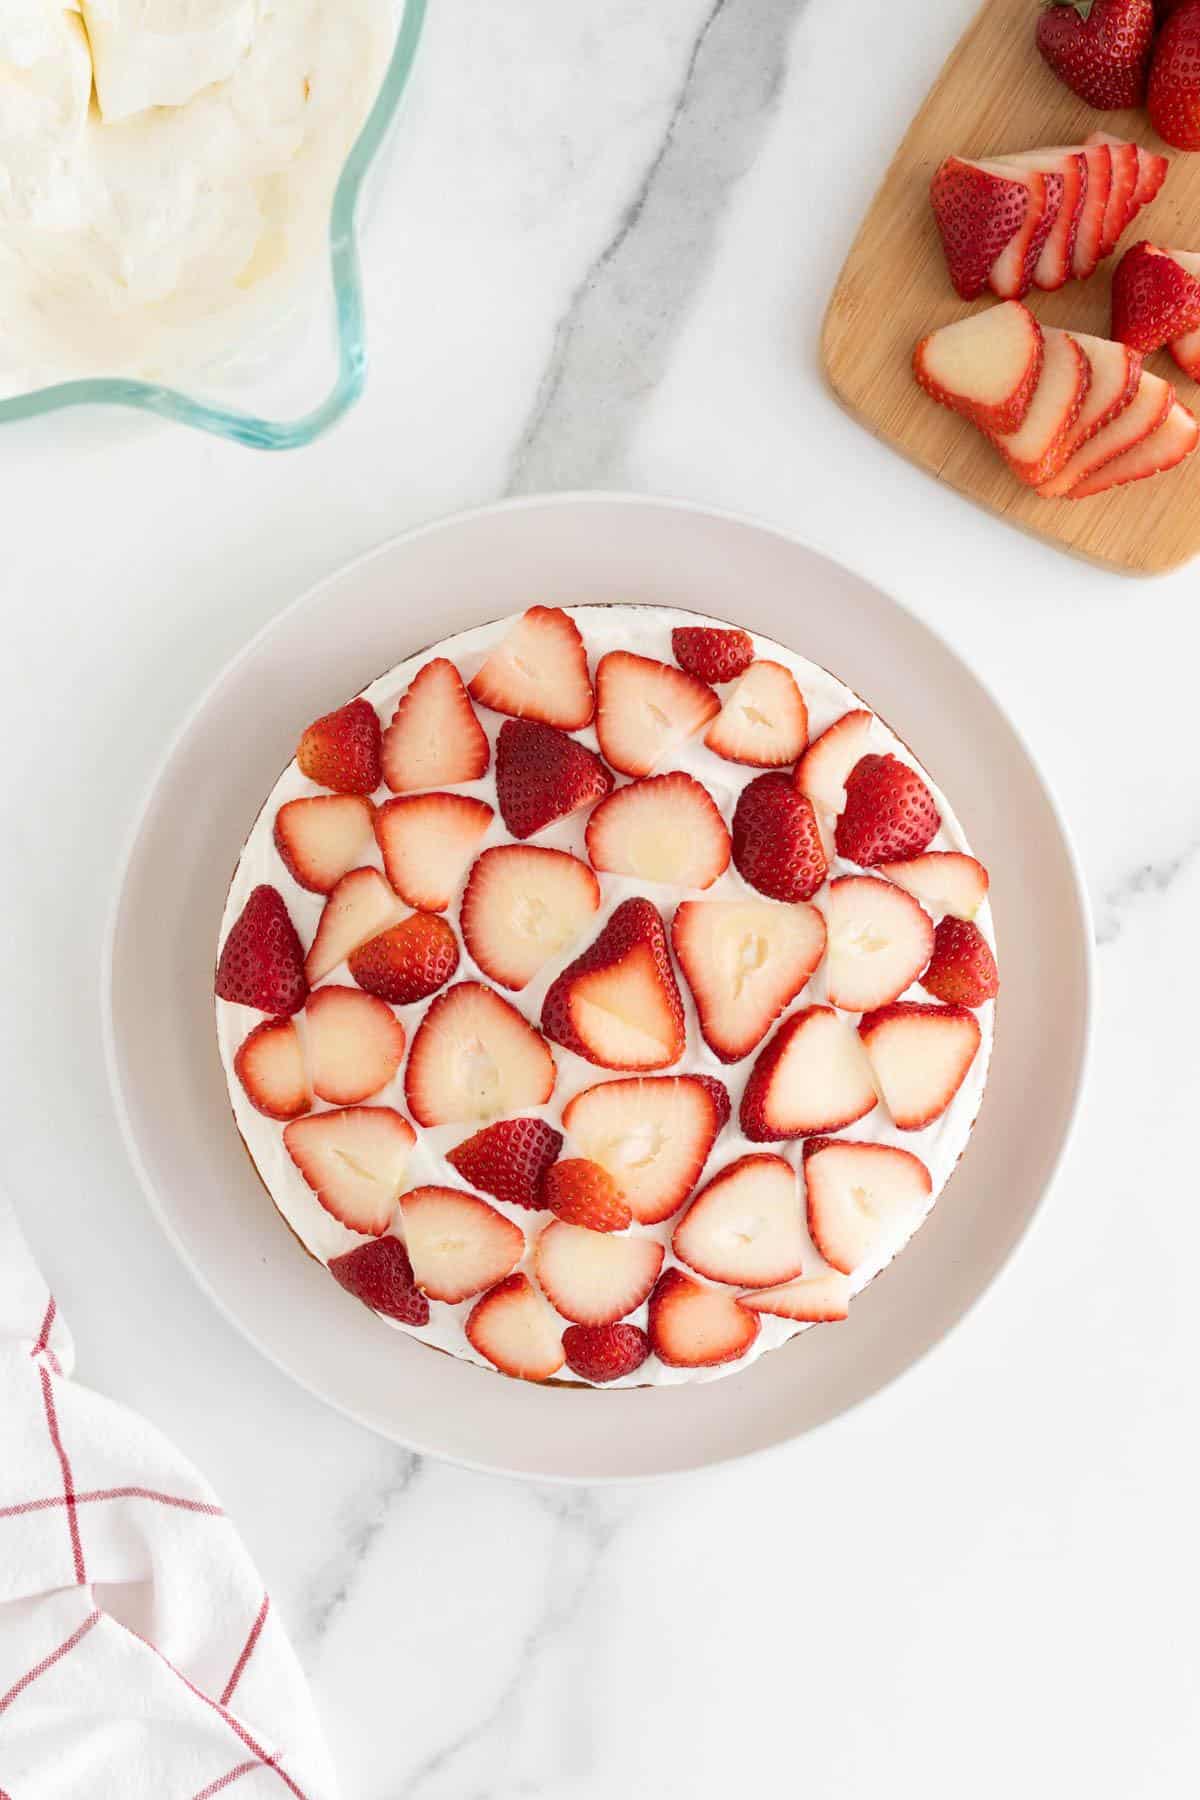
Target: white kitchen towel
[{"x": 139, "y": 1656}]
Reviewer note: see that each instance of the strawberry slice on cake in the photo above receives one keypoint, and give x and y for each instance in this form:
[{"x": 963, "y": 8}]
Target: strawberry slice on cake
[
  {"x": 514, "y": 1328},
  {"x": 475, "y": 1057},
  {"x": 745, "y": 961},
  {"x": 746, "y": 1227},
  {"x": 543, "y": 775},
  {"x": 618, "y": 1005},
  {"x": 342, "y": 750},
  {"x": 864, "y": 1200},
  {"x": 458, "y": 1244},
  {"x": 262, "y": 960},
  {"x": 652, "y": 1135},
  {"x": 880, "y": 940},
  {"x": 764, "y": 722},
  {"x": 812, "y": 1076},
  {"x": 434, "y": 739},
  {"x": 539, "y": 671},
  {"x": 694, "y": 1326},
  {"x": 321, "y": 838},
  {"x": 354, "y": 1161},
  {"x": 664, "y": 829},
  {"x": 646, "y": 710},
  {"x": 407, "y": 962},
  {"x": 920, "y": 1056},
  {"x": 428, "y": 842},
  {"x": 508, "y": 1160},
  {"x": 522, "y": 907},
  {"x": 595, "y": 1278},
  {"x": 359, "y": 907}
]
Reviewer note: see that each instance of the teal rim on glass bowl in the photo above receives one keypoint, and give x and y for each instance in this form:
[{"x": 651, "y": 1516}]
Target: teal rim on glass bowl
[{"x": 347, "y": 291}]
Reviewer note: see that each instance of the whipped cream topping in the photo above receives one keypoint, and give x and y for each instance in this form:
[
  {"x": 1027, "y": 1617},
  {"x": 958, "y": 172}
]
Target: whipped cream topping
[
  {"x": 645, "y": 630},
  {"x": 165, "y": 166}
]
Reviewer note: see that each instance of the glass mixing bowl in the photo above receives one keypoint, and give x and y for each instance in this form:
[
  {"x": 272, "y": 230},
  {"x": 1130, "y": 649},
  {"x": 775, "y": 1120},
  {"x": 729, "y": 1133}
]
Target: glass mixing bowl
[{"x": 294, "y": 372}]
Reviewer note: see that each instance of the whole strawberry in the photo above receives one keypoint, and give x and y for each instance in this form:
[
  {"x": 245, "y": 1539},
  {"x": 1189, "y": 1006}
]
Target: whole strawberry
[
  {"x": 1100, "y": 48},
  {"x": 1175, "y": 78}
]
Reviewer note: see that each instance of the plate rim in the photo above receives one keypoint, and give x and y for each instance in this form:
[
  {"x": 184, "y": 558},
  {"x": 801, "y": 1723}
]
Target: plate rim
[{"x": 448, "y": 522}]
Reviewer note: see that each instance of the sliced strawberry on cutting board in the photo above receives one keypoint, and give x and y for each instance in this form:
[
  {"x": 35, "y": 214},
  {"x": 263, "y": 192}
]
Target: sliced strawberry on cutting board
[
  {"x": 434, "y": 739},
  {"x": 581, "y": 1192},
  {"x": 509, "y": 1159},
  {"x": 262, "y": 960},
  {"x": 522, "y": 906},
  {"x": 407, "y": 962},
  {"x": 1186, "y": 351},
  {"x": 427, "y": 842},
  {"x": 692, "y": 1326},
  {"x": 1054, "y": 261},
  {"x": 539, "y": 671},
  {"x": 777, "y": 844},
  {"x": 920, "y": 1056},
  {"x": 359, "y": 907},
  {"x": 1144, "y": 414},
  {"x": 978, "y": 214},
  {"x": 824, "y": 769},
  {"x": 744, "y": 961},
  {"x": 341, "y": 750},
  {"x": 605, "y": 1352},
  {"x": 516, "y": 1331},
  {"x": 473, "y": 1058},
  {"x": 813, "y": 1300},
  {"x": 1173, "y": 442},
  {"x": 543, "y": 775},
  {"x": 944, "y": 881},
  {"x": 986, "y": 366},
  {"x": 746, "y": 1226},
  {"x": 458, "y": 1244},
  {"x": 355, "y": 1044},
  {"x": 1014, "y": 269},
  {"x": 864, "y": 1200},
  {"x": 1089, "y": 238},
  {"x": 354, "y": 1161},
  {"x": 322, "y": 838},
  {"x": 645, "y": 710},
  {"x": 764, "y": 722},
  {"x": 889, "y": 814},
  {"x": 711, "y": 653},
  {"x": 1121, "y": 208},
  {"x": 380, "y": 1275},
  {"x": 270, "y": 1067},
  {"x": 664, "y": 829},
  {"x": 653, "y": 1136},
  {"x": 1041, "y": 446},
  {"x": 617, "y": 1005},
  {"x": 963, "y": 970},
  {"x": 1155, "y": 298},
  {"x": 879, "y": 940},
  {"x": 1116, "y": 373},
  {"x": 594, "y": 1278},
  {"x": 812, "y": 1076}
]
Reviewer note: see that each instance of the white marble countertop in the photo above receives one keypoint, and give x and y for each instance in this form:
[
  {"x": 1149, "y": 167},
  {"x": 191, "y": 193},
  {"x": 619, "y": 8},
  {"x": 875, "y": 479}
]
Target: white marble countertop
[{"x": 603, "y": 261}]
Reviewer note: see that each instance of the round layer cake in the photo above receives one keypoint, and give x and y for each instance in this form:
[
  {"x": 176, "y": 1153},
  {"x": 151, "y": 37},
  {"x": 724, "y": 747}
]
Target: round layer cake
[{"x": 605, "y": 995}]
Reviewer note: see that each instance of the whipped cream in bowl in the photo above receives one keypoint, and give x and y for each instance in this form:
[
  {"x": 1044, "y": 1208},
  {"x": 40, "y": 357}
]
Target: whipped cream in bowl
[{"x": 175, "y": 176}]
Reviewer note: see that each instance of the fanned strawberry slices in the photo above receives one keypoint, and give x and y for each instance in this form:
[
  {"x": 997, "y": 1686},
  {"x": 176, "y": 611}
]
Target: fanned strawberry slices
[{"x": 601, "y": 1027}]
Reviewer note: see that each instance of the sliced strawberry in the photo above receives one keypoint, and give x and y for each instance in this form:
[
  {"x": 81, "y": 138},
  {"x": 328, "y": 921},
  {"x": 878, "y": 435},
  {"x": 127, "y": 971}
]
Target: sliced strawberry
[
  {"x": 380, "y": 1275},
  {"x": 407, "y": 962},
  {"x": 593, "y": 1278},
  {"x": 944, "y": 881},
  {"x": 665, "y": 828},
  {"x": 864, "y": 1200},
  {"x": 270, "y": 1066},
  {"x": 539, "y": 671},
  {"x": 617, "y": 1005},
  {"x": 605, "y": 1352},
  {"x": 1053, "y": 265},
  {"x": 1154, "y": 298},
  {"x": 473, "y": 1058},
  {"x": 813, "y": 1300},
  {"x": 1186, "y": 351},
  {"x": 963, "y": 969},
  {"x": 359, "y": 907},
  {"x": 516, "y": 1331},
  {"x": 647, "y": 709},
  {"x": 745, "y": 961},
  {"x": 262, "y": 961},
  {"x": 696, "y": 1327},
  {"x": 776, "y": 842},
  {"x": 458, "y": 1245},
  {"x": 978, "y": 214},
  {"x": 354, "y": 1161},
  {"x": 434, "y": 739},
  {"x": 523, "y": 906},
  {"x": 1041, "y": 446},
  {"x": 1172, "y": 443},
  {"x": 341, "y": 750},
  {"x": 323, "y": 838},
  {"x": 1089, "y": 236},
  {"x": 824, "y": 769},
  {"x": 880, "y": 939},
  {"x": 355, "y": 1044},
  {"x": 543, "y": 775},
  {"x": 427, "y": 842},
  {"x": 582, "y": 1193},
  {"x": 1134, "y": 423},
  {"x": 1152, "y": 172},
  {"x": 1121, "y": 207},
  {"x": 652, "y": 1135},
  {"x": 1116, "y": 373},
  {"x": 508, "y": 1160},
  {"x": 764, "y": 722},
  {"x": 985, "y": 366},
  {"x": 1014, "y": 269},
  {"x": 812, "y": 1076},
  {"x": 889, "y": 813},
  {"x": 712, "y": 654},
  {"x": 746, "y": 1226},
  {"x": 920, "y": 1056}
]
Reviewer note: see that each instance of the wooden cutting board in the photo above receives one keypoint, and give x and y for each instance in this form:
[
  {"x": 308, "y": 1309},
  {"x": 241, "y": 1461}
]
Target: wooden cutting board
[{"x": 995, "y": 96}]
